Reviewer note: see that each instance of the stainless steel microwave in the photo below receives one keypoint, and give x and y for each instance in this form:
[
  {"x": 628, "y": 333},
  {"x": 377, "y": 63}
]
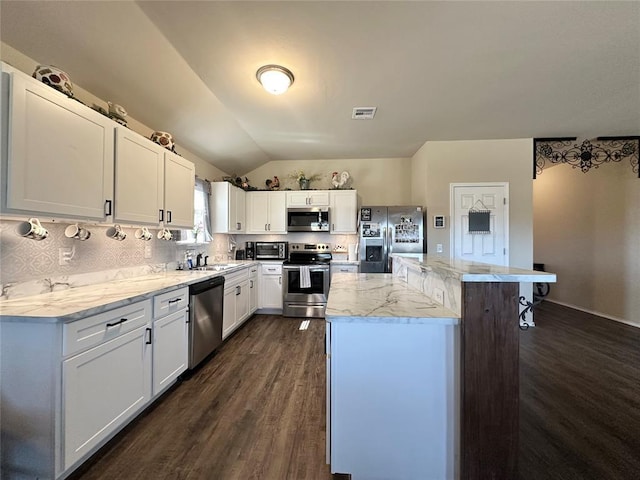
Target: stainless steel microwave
[
  {"x": 271, "y": 250},
  {"x": 311, "y": 219}
]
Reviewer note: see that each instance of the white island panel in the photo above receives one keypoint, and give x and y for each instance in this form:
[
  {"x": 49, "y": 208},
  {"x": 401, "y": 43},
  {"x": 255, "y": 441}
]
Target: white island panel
[{"x": 394, "y": 400}]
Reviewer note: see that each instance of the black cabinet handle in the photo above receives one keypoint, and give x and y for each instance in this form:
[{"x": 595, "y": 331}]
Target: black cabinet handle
[
  {"x": 119, "y": 322},
  {"x": 168, "y": 216},
  {"x": 175, "y": 301},
  {"x": 148, "y": 342},
  {"x": 161, "y": 219},
  {"x": 107, "y": 208},
  {"x": 238, "y": 290}
]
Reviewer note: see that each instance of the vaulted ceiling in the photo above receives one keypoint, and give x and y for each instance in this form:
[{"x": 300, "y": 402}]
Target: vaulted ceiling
[{"x": 435, "y": 70}]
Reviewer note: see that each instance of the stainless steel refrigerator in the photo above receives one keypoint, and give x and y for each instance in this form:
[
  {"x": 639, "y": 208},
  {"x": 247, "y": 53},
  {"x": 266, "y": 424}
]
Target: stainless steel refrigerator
[{"x": 386, "y": 230}]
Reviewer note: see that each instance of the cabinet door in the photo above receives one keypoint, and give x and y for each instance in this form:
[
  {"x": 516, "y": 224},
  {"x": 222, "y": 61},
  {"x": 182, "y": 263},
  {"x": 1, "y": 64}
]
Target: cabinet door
[
  {"x": 271, "y": 291},
  {"x": 102, "y": 388},
  {"x": 277, "y": 212},
  {"x": 59, "y": 155},
  {"x": 344, "y": 269},
  {"x": 240, "y": 206},
  {"x": 242, "y": 302},
  {"x": 229, "y": 312},
  {"x": 170, "y": 349},
  {"x": 344, "y": 211},
  {"x": 179, "y": 183},
  {"x": 297, "y": 199},
  {"x": 139, "y": 179},
  {"x": 253, "y": 289},
  {"x": 257, "y": 212},
  {"x": 227, "y": 208},
  {"x": 319, "y": 198}
]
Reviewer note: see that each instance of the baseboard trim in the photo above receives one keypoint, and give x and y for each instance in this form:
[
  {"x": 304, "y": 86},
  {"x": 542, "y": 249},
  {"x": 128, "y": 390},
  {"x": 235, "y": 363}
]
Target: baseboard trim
[{"x": 596, "y": 313}]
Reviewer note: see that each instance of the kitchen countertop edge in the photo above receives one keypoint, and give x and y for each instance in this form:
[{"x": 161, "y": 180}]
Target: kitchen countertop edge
[{"x": 34, "y": 308}]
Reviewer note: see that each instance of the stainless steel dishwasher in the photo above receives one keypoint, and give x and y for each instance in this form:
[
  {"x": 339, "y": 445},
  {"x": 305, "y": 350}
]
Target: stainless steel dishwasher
[{"x": 205, "y": 318}]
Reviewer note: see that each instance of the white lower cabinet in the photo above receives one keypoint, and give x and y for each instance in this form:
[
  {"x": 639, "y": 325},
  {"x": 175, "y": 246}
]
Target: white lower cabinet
[
  {"x": 170, "y": 349},
  {"x": 170, "y": 337},
  {"x": 236, "y": 300},
  {"x": 270, "y": 286},
  {"x": 67, "y": 388},
  {"x": 253, "y": 289},
  {"x": 103, "y": 387}
]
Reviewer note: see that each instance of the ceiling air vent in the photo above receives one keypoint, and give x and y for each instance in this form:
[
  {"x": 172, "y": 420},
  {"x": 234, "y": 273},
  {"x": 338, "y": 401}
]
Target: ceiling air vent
[{"x": 363, "y": 113}]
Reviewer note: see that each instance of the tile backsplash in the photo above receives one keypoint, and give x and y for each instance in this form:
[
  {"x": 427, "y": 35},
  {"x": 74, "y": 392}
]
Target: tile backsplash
[{"x": 23, "y": 260}]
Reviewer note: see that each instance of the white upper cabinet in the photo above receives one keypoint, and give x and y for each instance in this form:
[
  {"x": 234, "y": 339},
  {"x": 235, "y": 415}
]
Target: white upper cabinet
[
  {"x": 139, "y": 179},
  {"x": 227, "y": 208},
  {"x": 266, "y": 212},
  {"x": 58, "y": 155},
  {"x": 179, "y": 184},
  {"x": 344, "y": 211},
  {"x": 308, "y": 198},
  {"x": 153, "y": 185}
]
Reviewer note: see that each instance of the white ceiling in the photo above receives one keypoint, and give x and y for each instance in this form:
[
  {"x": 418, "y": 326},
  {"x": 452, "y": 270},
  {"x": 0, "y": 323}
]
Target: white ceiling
[{"x": 435, "y": 70}]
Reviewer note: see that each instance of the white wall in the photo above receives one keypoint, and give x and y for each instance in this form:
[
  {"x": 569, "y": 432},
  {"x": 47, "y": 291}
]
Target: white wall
[
  {"x": 438, "y": 164},
  {"x": 587, "y": 230},
  {"x": 379, "y": 181}
]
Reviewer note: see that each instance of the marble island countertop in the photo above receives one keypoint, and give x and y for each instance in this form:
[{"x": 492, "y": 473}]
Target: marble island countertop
[
  {"x": 467, "y": 271},
  {"x": 75, "y": 303},
  {"x": 382, "y": 298}
]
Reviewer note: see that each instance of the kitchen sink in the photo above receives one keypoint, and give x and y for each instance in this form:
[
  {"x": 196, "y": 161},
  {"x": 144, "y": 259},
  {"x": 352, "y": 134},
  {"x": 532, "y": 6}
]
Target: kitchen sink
[{"x": 217, "y": 267}]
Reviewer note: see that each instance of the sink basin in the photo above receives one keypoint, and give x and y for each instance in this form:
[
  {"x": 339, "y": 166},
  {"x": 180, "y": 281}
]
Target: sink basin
[{"x": 217, "y": 267}]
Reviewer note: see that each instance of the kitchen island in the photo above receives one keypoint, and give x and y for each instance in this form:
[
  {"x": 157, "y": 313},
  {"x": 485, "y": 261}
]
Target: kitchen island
[{"x": 422, "y": 370}]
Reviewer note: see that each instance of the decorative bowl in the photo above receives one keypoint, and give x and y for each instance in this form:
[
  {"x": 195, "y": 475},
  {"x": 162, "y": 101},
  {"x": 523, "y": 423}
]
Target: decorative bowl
[
  {"x": 54, "y": 77},
  {"x": 163, "y": 138}
]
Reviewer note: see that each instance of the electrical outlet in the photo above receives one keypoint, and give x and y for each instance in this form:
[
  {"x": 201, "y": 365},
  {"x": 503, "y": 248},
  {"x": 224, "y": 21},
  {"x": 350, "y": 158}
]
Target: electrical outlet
[
  {"x": 438, "y": 248},
  {"x": 147, "y": 250},
  {"x": 65, "y": 254},
  {"x": 438, "y": 296}
]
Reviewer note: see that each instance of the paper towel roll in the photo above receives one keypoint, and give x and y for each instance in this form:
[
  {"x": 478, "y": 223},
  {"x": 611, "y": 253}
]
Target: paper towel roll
[{"x": 353, "y": 254}]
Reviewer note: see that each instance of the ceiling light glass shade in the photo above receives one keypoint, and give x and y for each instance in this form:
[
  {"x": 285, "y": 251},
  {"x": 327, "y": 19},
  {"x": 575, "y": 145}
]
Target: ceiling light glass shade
[{"x": 274, "y": 78}]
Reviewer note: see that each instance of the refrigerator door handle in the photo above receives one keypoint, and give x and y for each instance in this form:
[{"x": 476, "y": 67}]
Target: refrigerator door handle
[{"x": 389, "y": 248}]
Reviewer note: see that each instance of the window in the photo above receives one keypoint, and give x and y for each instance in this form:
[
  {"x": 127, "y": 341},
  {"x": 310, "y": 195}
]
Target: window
[{"x": 201, "y": 232}]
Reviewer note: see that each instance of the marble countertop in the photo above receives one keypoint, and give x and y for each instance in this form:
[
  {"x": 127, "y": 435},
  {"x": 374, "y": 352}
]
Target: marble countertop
[
  {"x": 345, "y": 262},
  {"x": 382, "y": 298},
  {"x": 75, "y": 303},
  {"x": 467, "y": 271}
]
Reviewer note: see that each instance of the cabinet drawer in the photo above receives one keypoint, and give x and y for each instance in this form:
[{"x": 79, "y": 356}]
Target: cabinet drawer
[
  {"x": 344, "y": 269},
  {"x": 94, "y": 330},
  {"x": 234, "y": 278},
  {"x": 170, "y": 302},
  {"x": 269, "y": 269}
]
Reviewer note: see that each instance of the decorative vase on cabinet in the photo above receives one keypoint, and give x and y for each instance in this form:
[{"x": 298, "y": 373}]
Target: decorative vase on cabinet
[{"x": 304, "y": 183}]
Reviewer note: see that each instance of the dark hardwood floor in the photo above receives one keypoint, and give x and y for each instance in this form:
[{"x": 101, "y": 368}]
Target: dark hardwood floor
[
  {"x": 579, "y": 397},
  {"x": 256, "y": 410}
]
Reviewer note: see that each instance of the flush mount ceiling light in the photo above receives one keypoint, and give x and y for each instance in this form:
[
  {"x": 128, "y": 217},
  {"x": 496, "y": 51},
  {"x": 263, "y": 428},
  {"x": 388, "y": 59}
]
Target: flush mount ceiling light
[{"x": 274, "y": 78}]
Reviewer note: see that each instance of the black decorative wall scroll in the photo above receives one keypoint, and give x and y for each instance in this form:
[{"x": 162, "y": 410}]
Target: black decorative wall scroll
[{"x": 585, "y": 155}]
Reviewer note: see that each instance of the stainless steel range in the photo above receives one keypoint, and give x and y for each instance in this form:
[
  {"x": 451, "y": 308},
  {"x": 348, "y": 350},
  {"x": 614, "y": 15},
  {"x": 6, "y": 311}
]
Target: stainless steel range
[{"x": 306, "y": 280}]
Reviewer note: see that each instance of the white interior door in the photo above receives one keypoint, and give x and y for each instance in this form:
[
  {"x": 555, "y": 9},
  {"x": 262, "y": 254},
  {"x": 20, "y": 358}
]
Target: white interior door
[{"x": 492, "y": 246}]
